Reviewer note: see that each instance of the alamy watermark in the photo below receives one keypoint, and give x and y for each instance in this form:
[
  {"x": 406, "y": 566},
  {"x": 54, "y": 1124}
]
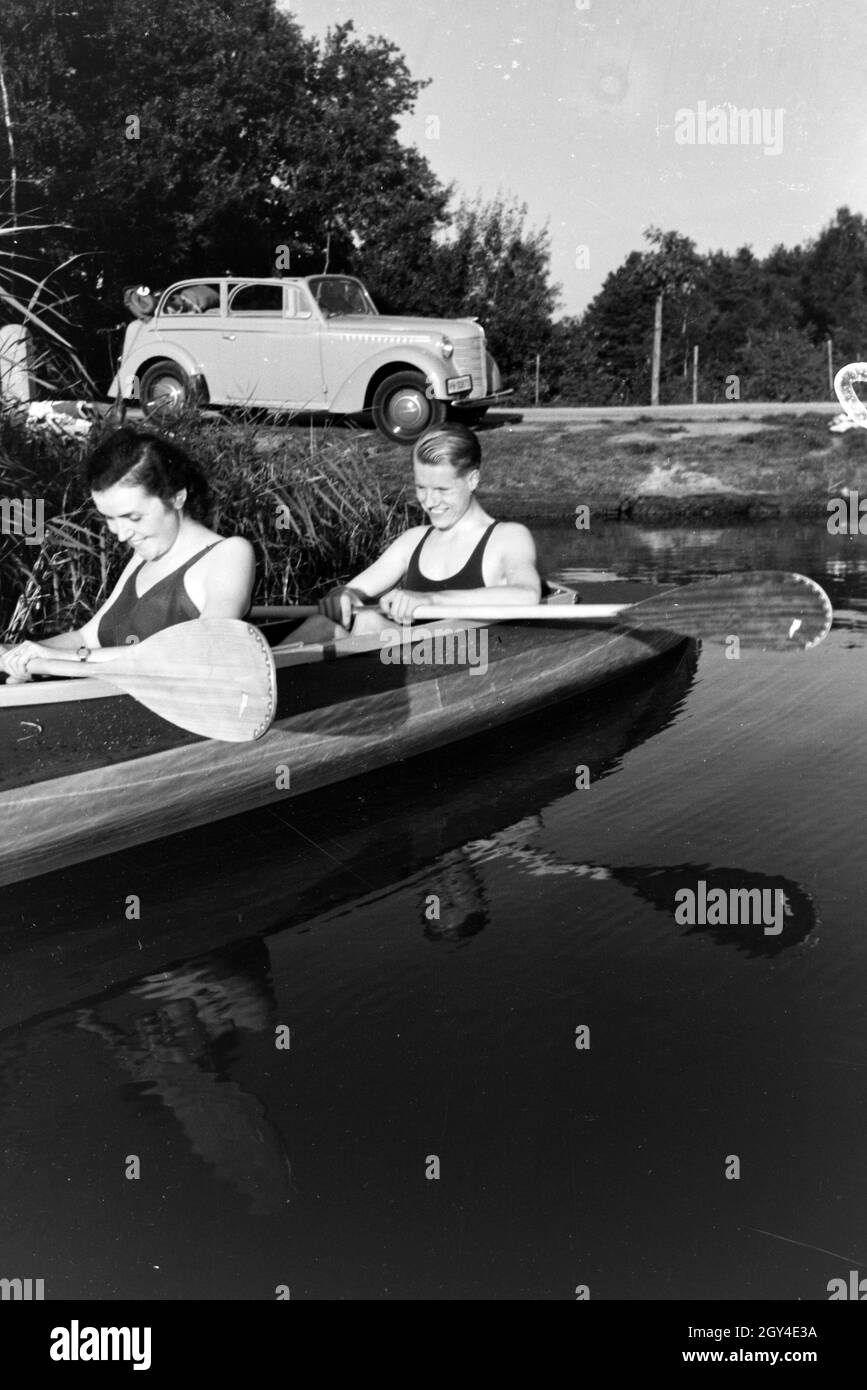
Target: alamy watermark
[
  {"x": 730, "y": 125},
  {"x": 23, "y": 517},
  {"x": 22, "y": 1290},
  {"x": 847, "y": 515},
  {"x": 758, "y": 907},
  {"x": 77, "y": 1343},
  {"x": 419, "y": 646}
]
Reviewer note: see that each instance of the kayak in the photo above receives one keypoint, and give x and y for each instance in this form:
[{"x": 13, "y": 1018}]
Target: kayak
[
  {"x": 278, "y": 867},
  {"x": 85, "y": 770}
]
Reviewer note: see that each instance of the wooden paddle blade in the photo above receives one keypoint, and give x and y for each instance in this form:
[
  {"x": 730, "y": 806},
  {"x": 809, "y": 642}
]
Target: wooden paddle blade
[
  {"x": 769, "y": 609},
  {"x": 212, "y": 676}
]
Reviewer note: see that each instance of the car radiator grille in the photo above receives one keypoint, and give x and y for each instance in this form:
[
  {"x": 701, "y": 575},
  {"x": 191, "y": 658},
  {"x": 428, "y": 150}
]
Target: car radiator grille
[{"x": 469, "y": 356}]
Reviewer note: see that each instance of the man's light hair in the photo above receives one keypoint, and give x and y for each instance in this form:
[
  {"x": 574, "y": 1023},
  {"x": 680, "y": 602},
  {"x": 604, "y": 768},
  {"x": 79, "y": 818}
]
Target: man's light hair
[{"x": 451, "y": 443}]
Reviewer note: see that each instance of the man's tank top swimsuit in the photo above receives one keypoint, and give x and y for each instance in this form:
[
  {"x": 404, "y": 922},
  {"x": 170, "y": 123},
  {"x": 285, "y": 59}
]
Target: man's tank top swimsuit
[
  {"x": 469, "y": 577},
  {"x": 132, "y": 618}
]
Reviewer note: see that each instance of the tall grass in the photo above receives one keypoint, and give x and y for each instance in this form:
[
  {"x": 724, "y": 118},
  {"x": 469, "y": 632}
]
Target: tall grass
[{"x": 312, "y": 507}]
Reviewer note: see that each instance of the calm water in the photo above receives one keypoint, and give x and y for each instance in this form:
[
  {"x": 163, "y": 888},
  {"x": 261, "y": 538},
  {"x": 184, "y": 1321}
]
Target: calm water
[{"x": 413, "y": 1038}]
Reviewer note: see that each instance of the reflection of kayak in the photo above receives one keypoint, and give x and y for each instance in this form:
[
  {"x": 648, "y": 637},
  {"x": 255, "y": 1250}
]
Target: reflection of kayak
[
  {"x": 86, "y": 772},
  {"x": 267, "y": 870}
]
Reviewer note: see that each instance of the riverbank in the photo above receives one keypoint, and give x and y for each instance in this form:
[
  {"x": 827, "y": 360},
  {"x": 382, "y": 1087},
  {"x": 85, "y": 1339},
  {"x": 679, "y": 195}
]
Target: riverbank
[
  {"x": 661, "y": 468},
  {"x": 727, "y": 463}
]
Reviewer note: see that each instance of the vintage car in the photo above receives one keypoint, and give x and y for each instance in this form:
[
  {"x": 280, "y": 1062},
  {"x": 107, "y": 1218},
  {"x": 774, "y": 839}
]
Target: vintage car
[{"x": 314, "y": 344}]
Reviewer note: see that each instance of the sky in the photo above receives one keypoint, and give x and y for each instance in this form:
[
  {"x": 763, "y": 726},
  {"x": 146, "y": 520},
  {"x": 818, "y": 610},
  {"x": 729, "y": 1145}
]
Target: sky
[{"x": 608, "y": 116}]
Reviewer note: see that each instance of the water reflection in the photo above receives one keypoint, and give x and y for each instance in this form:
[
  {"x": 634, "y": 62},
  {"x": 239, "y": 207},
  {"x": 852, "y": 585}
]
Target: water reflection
[
  {"x": 459, "y": 909},
  {"x": 679, "y": 554},
  {"x": 174, "y": 1034},
  {"x": 761, "y": 915}
]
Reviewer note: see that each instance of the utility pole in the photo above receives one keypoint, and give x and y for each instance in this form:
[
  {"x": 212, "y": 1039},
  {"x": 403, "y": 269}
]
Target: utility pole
[
  {"x": 657, "y": 350},
  {"x": 831, "y": 365},
  {"x": 695, "y": 374}
]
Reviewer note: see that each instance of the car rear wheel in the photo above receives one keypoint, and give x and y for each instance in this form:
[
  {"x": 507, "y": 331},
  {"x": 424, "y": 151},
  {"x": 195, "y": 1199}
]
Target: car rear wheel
[
  {"x": 402, "y": 410},
  {"x": 165, "y": 393}
]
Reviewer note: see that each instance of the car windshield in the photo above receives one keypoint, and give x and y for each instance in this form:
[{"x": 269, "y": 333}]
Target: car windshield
[{"x": 338, "y": 296}]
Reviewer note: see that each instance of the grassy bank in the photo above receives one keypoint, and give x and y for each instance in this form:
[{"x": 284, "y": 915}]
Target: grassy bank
[
  {"x": 314, "y": 510},
  {"x": 662, "y": 469}
]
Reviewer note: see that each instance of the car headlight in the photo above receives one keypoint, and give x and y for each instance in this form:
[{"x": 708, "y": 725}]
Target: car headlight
[{"x": 447, "y": 347}]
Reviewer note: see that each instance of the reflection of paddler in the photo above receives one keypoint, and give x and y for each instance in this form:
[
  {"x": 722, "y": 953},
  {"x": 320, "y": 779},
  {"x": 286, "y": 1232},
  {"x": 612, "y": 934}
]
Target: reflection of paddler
[
  {"x": 172, "y": 1051},
  {"x": 456, "y": 906}
]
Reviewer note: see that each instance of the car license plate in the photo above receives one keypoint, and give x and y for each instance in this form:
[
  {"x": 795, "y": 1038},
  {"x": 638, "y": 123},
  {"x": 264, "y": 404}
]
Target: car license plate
[{"x": 456, "y": 384}]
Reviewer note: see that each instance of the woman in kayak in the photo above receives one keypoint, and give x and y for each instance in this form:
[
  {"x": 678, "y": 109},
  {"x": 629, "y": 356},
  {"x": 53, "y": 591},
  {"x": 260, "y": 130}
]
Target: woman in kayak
[
  {"x": 150, "y": 495},
  {"x": 462, "y": 556}
]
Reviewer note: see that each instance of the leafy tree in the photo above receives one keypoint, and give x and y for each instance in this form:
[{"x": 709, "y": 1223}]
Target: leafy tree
[
  {"x": 616, "y": 337},
  {"x": 763, "y": 320},
  {"x": 204, "y": 144},
  {"x": 834, "y": 284},
  {"x": 493, "y": 269},
  {"x": 782, "y": 364}
]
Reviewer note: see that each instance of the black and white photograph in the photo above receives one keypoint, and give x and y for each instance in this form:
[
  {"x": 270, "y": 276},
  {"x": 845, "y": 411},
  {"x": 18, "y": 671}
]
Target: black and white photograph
[{"x": 433, "y": 615}]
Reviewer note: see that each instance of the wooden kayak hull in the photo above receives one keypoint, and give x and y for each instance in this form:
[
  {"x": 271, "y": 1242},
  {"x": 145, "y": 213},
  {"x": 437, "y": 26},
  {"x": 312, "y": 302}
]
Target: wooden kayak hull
[{"x": 85, "y": 774}]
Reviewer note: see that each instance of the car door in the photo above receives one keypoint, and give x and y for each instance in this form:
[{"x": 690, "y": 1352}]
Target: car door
[
  {"x": 270, "y": 348},
  {"x": 190, "y": 318}
]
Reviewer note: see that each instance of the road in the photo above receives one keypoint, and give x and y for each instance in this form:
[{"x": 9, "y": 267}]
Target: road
[{"x": 726, "y": 410}]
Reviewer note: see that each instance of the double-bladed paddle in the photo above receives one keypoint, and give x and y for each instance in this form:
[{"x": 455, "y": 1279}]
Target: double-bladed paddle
[
  {"x": 770, "y": 609},
  {"x": 212, "y": 676}
]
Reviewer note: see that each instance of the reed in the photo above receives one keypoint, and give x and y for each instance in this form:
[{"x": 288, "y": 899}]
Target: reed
[{"x": 311, "y": 505}]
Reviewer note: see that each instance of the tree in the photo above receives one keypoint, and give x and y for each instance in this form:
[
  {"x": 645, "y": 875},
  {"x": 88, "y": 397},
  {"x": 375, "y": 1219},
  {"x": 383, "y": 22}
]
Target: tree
[
  {"x": 670, "y": 270},
  {"x": 610, "y": 349},
  {"x": 492, "y": 269},
  {"x": 204, "y": 146},
  {"x": 834, "y": 284}
]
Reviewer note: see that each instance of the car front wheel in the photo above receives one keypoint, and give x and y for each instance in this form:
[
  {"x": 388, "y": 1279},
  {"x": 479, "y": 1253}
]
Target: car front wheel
[
  {"x": 165, "y": 393},
  {"x": 402, "y": 410}
]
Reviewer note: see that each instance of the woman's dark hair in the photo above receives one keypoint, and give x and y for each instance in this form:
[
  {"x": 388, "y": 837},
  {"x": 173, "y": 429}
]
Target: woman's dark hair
[{"x": 137, "y": 457}]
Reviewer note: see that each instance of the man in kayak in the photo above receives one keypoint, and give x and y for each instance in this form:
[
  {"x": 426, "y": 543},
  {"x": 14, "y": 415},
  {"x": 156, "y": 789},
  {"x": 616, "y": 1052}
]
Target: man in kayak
[
  {"x": 150, "y": 495},
  {"x": 462, "y": 556}
]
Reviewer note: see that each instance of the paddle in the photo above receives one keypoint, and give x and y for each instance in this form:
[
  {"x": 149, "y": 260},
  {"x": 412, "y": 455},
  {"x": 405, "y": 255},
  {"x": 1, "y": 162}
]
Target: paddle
[
  {"x": 769, "y": 609},
  {"x": 213, "y": 676}
]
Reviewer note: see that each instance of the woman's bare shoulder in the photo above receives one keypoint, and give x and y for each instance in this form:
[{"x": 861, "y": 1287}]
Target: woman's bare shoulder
[{"x": 229, "y": 550}]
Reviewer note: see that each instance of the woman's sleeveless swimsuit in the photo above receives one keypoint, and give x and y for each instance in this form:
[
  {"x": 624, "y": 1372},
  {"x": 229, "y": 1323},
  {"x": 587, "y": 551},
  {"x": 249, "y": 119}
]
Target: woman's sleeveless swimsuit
[
  {"x": 132, "y": 618},
  {"x": 468, "y": 577}
]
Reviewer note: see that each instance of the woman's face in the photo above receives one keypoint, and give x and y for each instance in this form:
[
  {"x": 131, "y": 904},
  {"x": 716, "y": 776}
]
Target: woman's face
[{"x": 141, "y": 520}]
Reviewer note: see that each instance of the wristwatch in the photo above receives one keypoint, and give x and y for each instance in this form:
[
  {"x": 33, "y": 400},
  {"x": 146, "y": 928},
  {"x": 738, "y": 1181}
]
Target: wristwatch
[{"x": 83, "y": 653}]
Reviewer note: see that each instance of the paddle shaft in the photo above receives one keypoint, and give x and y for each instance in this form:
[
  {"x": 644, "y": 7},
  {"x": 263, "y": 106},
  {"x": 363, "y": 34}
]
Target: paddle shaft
[
  {"x": 770, "y": 609},
  {"x": 430, "y": 612}
]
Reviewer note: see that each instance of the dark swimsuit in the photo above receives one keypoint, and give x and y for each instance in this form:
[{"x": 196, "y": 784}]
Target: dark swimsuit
[
  {"x": 132, "y": 618},
  {"x": 469, "y": 577}
]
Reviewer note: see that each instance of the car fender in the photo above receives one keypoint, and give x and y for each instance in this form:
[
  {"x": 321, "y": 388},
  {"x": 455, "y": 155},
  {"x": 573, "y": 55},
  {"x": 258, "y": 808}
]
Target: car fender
[
  {"x": 151, "y": 350},
  {"x": 352, "y": 394},
  {"x": 495, "y": 376}
]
